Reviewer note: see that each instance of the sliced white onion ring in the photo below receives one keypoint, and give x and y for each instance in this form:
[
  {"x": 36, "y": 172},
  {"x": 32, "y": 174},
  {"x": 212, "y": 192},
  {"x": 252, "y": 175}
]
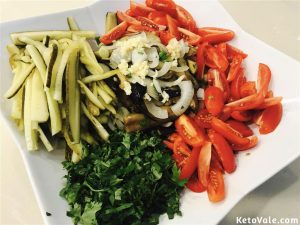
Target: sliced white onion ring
[
  {"x": 187, "y": 93},
  {"x": 165, "y": 69},
  {"x": 156, "y": 111},
  {"x": 153, "y": 57},
  {"x": 200, "y": 93},
  {"x": 176, "y": 82},
  {"x": 138, "y": 56}
]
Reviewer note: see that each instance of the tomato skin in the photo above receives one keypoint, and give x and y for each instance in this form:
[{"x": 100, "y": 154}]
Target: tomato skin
[
  {"x": 188, "y": 36},
  {"x": 172, "y": 26},
  {"x": 213, "y": 99},
  {"x": 270, "y": 119},
  {"x": 137, "y": 9},
  {"x": 263, "y": 78},
  {"x": 204, "y": 163},
  {"x": 189, "y": 132},
  {"x": 222, "y": 47},
  {"x": 165, "y": 37},
  {"x": 223, "y": 150},
  {"x": 242, "y": 128},
  {"x": 114, "y": 34},
  {"x": 248, "y": 88},
  {"x": 149, "y": 23},
  {"x": 236, "y": 84},
  {"x": 214, "y": 35},
  {"x": 201, "y": 60},
  {"x": 190, "y": 164},
  {"x": 203, "y": 118},
  {"x": 253, "y": 140},
  {"x": 228, "y": 132},
  {"x": 195, "y": 185},
  {"x": 247, "y": 103},
  {"x": 167, "y": 6},
  {"x": 214, "y": 59},
  {"x": 139, "y": 28},
  {"x": 215, "y": 187},
  {"x": 169, "y": 144},
  {"x": 185, "y": 19},
  {"x": 158, "y": 17},
  {"x": 235, "y": 66},
  {"x": 269, "y": 102}
]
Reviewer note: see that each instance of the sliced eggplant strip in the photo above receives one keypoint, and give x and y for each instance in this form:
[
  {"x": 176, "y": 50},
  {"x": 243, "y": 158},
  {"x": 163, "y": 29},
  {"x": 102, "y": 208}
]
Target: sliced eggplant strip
[
  {"x": 73, "y": 47},
  {"x": 55, "y": 66},
  {"x": 86, "y": 136},
  {"x": 99, "y": 128},
  {"x": 39, "y": 106},
  {"x": 110, "y": 21},
  {"x": 18, "y": 82},
  {"x": 44, "y": 139},
  {"x": 76, "y": 148},
  {"x": 46, "y": 41},
  {"x": 89, "y": 94},
  {"x": 49, "y": 72},
  {"x": 38, "y": 61},
  {"x": 106, "y": 97},
  {"x": 108, "y": 90},
  {"x": 39, "y": 45},
  {"x": 73, "y": 97},
  {"x": 13, "y": 49},
  {"x": 53, "y": 34},
  {"x": 72, "y": 23},
  {"x": 30, "y": 133},
  {"x": 17, "y": 105},
  {"x": 107, "y": 106},
  {"x": 99, "y": 77},
  {"x": 91, "y": 107}
]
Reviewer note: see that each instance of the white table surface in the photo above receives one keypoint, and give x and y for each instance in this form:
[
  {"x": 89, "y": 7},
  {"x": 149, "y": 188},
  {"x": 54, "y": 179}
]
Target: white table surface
[{"x": 275, "y": 22}]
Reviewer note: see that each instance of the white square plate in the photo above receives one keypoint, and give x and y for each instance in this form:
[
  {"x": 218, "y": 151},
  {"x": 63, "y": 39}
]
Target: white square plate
[{"x": 274, "y": 151}]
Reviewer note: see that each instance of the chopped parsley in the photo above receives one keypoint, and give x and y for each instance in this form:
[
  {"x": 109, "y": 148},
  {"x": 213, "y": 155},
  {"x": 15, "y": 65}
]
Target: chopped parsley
[
  {"x": 163, "y": 55},
  {"x": 130, "y": 180}
]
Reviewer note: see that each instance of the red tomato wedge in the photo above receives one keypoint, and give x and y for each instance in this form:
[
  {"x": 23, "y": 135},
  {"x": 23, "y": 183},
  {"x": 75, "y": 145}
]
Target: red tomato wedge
[
  {"x": 214, "y": 35},
  {"x": 172, "y": 26},
  {"x": 189, "y": 131},
  {"x": 228, "y": 132},
  {"x": 242, "y": 128},
  {"x": 203, "y": 118},
  {"x": 223, "y": 150},
  {"x": 123, "y": 17},
  {"x": 169, "y": 144},
  {"x": 201, "y": 60},
  {"x": 222, "y": 47},
  {"x": 233, "y": 52},
  {"x": 236, "y": 84},
  {"x": 138, "y": 9},
  {"x": 269, "y": 102},
  {"x": 185, "y": 19},
  {"x": 114, "y": 34},
  {"x": 158, "y": 17},
  {"x": 235, "y": 66},
  {"x": 213, "y": 99},
  {"x": 190, "y": 165},
  {"x": 167, "y": 6},
  {"x": 215, "y": 59},
  {"x": 263, "y": 78},
  {"x": 248, "y": 88},
  {"x": 247, "y": 103},
  {"x": 188, "y": 36},
  {"x": 215, "y": 187},
  {"x": 253, "y": 140},
  {"x": 140, "y": 28},
  {"x": 195, "y": 185},
  {"x": 242, "y": 116},
  {"x": 179, "y": 147},
  {"x": 165, "y": 37},
  {"x": 269, "y": 119},
  {"x": 204, "y": 163},
  {"x": 149, "y": 23}
]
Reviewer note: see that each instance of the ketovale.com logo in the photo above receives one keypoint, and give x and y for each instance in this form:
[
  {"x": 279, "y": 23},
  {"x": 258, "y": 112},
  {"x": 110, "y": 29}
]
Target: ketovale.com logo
[{"x": 266, "y": 220}]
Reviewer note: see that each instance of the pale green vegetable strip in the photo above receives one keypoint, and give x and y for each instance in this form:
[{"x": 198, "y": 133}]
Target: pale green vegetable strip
[
  {"x": 73, "y": 96},
  {"x": 86, "y": 136},
  {"x": 36, "y": 44},
  {"x": 55, "y": 67},
  {"x": 39, "y": 106},
  {"x": 99, "y": 77},
  {"x": 59, "y": 77},
  {"x": 99, "y": 128},
  {"x": 38, "y": 61},
  {"x": 104, "y": 86},
  {"x": 21, "y": 124},
  {"x": 12, "y": 49},
  {"x": 72, "y": 23},
  {"x": 91, "y": 107},
  {"x": 44, "y": 139},
  {"x": 107, "y": 106},
  {"x": 56, "y": 34},
  {"x": 110, "y": 21},
  {"x": 16, "y": 85},
  {"x": 91, "y": 96},
  {"x": 30, "y": 133},
  {"x": 17, "y": 105},
  {"x": 106, "y": 97},
  {"x": 76, "y": 148}
]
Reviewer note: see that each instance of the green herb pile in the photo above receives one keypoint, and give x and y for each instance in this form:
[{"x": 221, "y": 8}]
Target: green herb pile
[{"x": 132, "y": 181}]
